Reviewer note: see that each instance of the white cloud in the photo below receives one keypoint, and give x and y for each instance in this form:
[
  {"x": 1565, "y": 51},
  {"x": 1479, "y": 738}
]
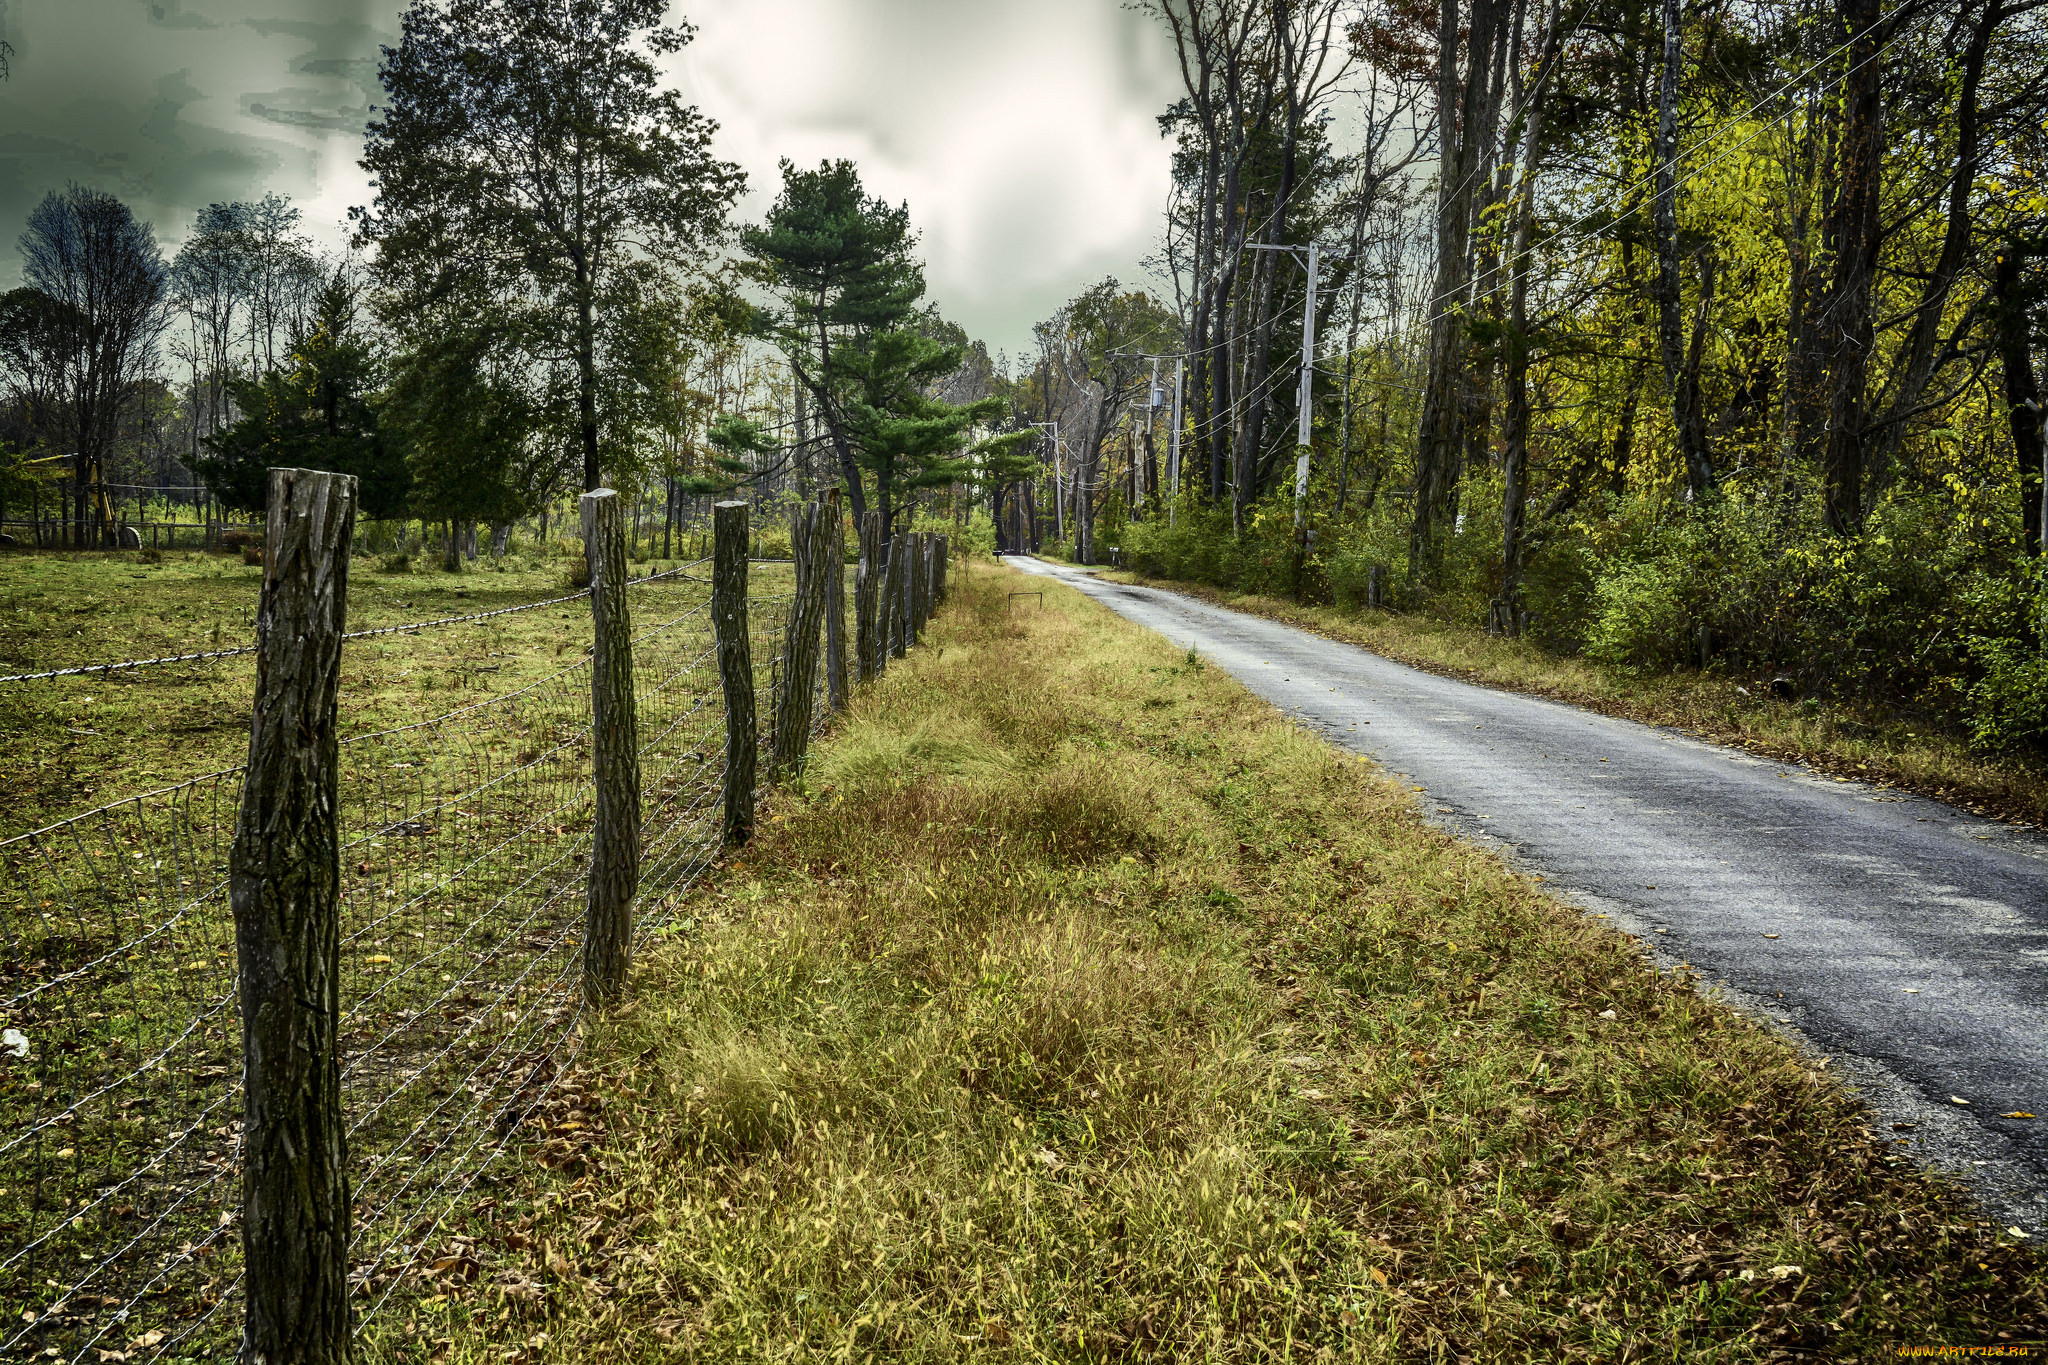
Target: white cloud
[{"x": 1023, "y": 136}]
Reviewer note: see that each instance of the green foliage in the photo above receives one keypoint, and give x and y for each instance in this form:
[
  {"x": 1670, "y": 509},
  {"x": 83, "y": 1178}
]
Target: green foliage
[
  {"x": 468, "y": 425},
  {"x": 528, "y": 155},
  {"x": 316, "y": 414},
  {"x": 2008, "y": 703},
  {"x": 21, "y": 478},
  {"x": 842, "y": 266}
]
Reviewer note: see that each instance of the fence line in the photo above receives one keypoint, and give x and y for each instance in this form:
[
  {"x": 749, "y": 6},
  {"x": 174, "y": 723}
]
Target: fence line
[{"x": 464, "y": 845}]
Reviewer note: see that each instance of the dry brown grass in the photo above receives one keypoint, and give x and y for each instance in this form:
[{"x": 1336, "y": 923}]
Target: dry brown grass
[{"x": 1082, "y": 1009}]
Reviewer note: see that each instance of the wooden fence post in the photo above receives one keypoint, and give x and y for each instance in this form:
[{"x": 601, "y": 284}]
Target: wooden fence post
[
  {"x": 835, "y": 602},
  {"x": 800, "y": 643},
  {"x": 869, "y": 640},
  {"x": 942, "y": 563},
  {"x": 920, "y": 584},
  {"x": 735, "y": 664},
  {"x": 899, "y": 600},
  {"x": 284, "y": 883},
  {"x": 614, "y": 756}
]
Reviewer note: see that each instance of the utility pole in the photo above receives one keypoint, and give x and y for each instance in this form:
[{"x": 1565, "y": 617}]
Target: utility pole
[
  {"x": 1180, "y": 365},
  {"x": 1308, "y": 372}
]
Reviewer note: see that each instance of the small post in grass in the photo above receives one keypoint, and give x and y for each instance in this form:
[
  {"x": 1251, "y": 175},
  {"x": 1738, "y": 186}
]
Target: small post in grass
[
  {"x": 615, "y": 756},
  {"x": 284, "y": 884},
  {"x": 735, "y": 664},
  {"x": 835, "y": 603}
]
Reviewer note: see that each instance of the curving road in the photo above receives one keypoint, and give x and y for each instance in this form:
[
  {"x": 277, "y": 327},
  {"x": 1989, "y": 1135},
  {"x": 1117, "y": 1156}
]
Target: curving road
[{"x": 1905, "y": 939}]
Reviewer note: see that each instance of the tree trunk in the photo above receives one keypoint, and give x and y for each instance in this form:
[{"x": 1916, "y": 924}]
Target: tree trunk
[
  {"x": 1441, "y": 431},
  {"x": 1684, "y": 396},
  {"x": 284, "y": 883},
  {"x": 1919, "y": 365},
  {"x": 2022, "y": 396},
  {"x": 1855, "y": 242}
]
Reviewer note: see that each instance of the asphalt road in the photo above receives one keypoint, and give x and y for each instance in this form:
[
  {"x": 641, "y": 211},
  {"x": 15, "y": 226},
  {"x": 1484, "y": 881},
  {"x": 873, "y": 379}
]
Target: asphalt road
[{"x": 1901, "y": 938}]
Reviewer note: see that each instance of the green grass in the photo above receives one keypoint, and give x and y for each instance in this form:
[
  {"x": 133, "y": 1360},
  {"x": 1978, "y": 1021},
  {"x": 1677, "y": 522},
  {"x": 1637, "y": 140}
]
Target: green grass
[
  {"x": 69, "y": 743},
  {"x": 1079, "y": 1008},
  {"x": 465, "y": 816},
  {"x": 1860, "y": 742}
]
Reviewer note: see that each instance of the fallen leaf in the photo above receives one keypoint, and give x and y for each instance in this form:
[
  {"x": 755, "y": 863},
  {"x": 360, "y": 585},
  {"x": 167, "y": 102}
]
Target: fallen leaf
[
  {"x": 2017, "y": 1114},
  {"x": 1770, "y": 935},
  {"x": 1379, "y": 1276},
  {"x": 1609, "y": 1014},
  {"x": 1786, "y": 1272},
  {"x": 375, "y": 958},
  {"x": 145, "y": 1341},
  {"x": 1957, "y": 1099},
  {"x": 2016, "y": 1232}
]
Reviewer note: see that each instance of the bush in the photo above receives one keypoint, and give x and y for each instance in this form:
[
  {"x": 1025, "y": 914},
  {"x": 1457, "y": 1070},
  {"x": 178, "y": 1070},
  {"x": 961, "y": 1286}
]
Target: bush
[{"x": 1640, "y": 619}]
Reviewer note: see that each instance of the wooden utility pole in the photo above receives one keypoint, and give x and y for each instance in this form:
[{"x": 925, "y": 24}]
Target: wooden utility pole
[
  {"x": 614, "y": 755},
  {"x": 284, "y": 883},
  {"x": 735, "y": 664}
]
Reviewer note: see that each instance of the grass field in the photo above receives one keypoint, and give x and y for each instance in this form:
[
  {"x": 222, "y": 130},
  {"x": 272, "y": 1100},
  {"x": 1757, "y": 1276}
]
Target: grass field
[
  {"x": 465, "y": 811},
  {"x": 1860, "y": 742},
  {"x": 1078, "y": 1008},
  {"x": 69, "y": 743}
]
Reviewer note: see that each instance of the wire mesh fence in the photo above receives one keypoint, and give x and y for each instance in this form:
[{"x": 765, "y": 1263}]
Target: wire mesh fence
[{"x": 465, "y": 843}]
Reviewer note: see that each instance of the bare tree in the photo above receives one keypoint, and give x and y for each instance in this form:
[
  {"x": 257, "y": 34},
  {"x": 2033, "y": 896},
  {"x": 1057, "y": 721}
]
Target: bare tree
[{"x": 108, "y": 288}]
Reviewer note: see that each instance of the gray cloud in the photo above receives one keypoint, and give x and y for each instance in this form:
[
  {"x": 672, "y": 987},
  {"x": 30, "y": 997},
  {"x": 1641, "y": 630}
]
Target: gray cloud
[{"x": 1022, "y": 136}]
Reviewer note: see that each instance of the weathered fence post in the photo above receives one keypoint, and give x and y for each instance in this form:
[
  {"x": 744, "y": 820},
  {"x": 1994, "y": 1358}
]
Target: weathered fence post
[
  {"x": 913, "y": 561},
  {"x": 924, "y": 582},
  {"x": 735, "y": 664},
  {"x": 614, "y": 755},
  {"x": 939, "y": 565},
  {"x": 920, "y": 585},
  {"x": 835, "y": 602},
  {"x": 899, "y": 595},
  {"x": 284, "y": 882},
  {"x": 867, "y": 600},
  {"x": 800, "y": 643}
]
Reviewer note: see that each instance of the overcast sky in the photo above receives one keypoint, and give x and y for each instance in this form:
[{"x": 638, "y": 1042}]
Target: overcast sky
[{"x": 1022, "y": 134}]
